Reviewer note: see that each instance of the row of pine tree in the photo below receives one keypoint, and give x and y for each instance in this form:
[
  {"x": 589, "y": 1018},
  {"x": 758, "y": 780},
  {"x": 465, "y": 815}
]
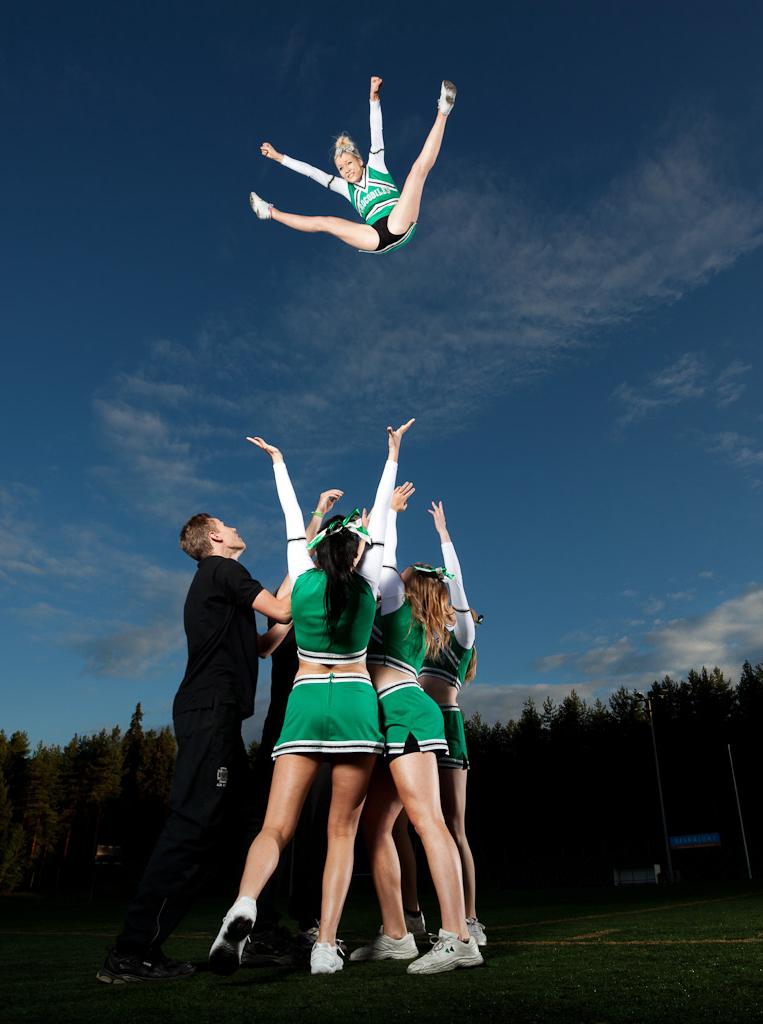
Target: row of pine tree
[{"x": 562, "y": 795}]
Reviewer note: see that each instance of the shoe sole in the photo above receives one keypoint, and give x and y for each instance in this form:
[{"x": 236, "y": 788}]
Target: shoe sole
[
  {"x": 122, "y": 979},
  {"x": 327, "y": 970},
  {"x": 254, "y": 199},
  {"x": 444, "y": 969},
  {"x": 450, "y": 91},
  {"x": 225, "y": 958}
]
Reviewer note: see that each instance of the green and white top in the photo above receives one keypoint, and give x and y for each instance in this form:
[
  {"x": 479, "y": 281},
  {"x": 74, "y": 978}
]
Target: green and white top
[
  {"x": 452, "y": 665},
  {"x": 376, "y": 194},
  {"x": 398, "y": 641},
  {"x": 353, "y": 630}
]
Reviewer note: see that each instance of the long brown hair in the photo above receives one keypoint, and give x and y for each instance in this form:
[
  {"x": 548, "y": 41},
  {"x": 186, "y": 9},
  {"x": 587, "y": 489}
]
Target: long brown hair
[{"x": 430, "y": 607}]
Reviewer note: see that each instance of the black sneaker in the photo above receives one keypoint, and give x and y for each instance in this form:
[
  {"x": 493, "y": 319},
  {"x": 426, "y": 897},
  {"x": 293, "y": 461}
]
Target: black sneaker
[
  {"x": 273, "y": 947},
  {"x": 119, "y": 968}
]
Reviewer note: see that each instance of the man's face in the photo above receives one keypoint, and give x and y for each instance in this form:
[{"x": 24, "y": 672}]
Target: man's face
[{"x": 227, "y": 535}]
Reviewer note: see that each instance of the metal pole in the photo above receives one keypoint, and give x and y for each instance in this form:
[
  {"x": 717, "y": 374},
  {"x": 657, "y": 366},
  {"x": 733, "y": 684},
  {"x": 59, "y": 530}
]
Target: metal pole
[
  {"x": 668, "y": 858},
  {"x": 739, "y": 811}
]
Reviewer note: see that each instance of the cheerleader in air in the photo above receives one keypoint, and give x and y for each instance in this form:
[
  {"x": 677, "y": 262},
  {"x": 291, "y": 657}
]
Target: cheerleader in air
[
  {"x": 412, "y": 624},
  {"x": 390, "y": 215},
  {"x": 332, "y": 711}
]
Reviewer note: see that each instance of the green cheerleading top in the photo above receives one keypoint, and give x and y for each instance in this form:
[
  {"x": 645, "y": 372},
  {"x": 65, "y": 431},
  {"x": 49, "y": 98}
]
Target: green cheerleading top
[
  {"x": 351, "y": 635},
  {"x": 376, "y": 194}
]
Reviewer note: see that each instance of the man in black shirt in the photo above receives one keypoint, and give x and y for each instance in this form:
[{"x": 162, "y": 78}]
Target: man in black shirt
[{"x": 215, "y": 696}]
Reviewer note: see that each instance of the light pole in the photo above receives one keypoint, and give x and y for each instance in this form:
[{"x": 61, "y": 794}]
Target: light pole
[{"x": 647, "y": 702}]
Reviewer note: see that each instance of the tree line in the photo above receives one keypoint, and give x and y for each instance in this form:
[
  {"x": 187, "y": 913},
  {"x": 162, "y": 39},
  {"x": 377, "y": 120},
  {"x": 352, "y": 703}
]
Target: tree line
[{"x": 561, "y": 795}]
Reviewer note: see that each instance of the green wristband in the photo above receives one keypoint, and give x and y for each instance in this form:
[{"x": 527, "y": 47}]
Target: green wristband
[{"x": 316, "y": 513}]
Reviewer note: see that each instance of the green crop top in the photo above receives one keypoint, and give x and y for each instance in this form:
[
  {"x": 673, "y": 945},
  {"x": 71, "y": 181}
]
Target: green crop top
[{"x": 352, "y": 632}]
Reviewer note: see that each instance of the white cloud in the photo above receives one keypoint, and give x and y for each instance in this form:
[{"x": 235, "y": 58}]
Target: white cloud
[
  {"x": 364, "y": 343},
  {"x": 724, "y": 636},
  {"x": 688, "y": 379},
  {"x": 740, "y": 451},
  {"x": 496, "y": 703}
]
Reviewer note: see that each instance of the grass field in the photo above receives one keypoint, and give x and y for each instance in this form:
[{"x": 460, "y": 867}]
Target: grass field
[{"x": 599, "y": 956}]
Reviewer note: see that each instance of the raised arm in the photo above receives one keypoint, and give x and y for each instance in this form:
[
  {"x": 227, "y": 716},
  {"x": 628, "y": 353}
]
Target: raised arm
[
  {"x": 464, "y": 629},
  {"x": 331, "y": 181},
  {"x": 370, "y": 565},
  {"x": 297, "y": 558},
  {"x": 376, "y": 154},
  {"x": 326, "y": 502},
  {"x": 391, "y": 586}
]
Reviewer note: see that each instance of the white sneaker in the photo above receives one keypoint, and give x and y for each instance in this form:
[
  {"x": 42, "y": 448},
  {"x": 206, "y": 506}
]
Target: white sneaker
[
  {"x": 446, "y": 100},
  {"x": 448, "y": 953},
  {"x": 325, "y": 958},
  {"x": 384, "y": 947},
  {"x": 416, "y": 925},
  {"x": 477, "y": 930},
  {"x": 259, "y": 206},
  {"x": 225, "y": 952}
]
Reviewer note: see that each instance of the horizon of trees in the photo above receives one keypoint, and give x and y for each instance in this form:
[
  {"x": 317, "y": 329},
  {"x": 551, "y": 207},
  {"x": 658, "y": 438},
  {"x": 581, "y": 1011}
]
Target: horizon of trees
[{"x": 561, "y": 795}]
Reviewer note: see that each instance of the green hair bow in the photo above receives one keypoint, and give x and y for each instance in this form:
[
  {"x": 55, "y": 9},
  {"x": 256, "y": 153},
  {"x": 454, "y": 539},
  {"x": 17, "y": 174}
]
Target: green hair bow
[
  {"x": 440, "y": 572},
  {"x": 353, "y": 522}
]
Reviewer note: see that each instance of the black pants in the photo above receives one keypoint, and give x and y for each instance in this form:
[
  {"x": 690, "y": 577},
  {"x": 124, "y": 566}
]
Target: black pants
[{"x": 208, "y": 804}]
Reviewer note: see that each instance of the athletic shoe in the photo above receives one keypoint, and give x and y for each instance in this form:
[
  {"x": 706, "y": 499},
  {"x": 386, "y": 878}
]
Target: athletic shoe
[
  {"x": 383, "y": 947},
  {"x": 446, "y": 100},
  {"x": 477, "y": 930},
  {"x": 272, "y": 947},
  {"x": 416, "y": 925},
  {"x": 225, "y": 952},
  {"x": 259, "y": 206},
  {"x": 119, "y": 968},
  {"x": 448, "y": 953},
  {"x": 325, "y": 958}
]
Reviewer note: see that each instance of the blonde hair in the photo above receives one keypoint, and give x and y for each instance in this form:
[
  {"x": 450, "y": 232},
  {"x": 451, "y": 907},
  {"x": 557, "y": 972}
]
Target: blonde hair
[
  {"x": 430, "y": 607},
  {"x": 344, "y": 143}
]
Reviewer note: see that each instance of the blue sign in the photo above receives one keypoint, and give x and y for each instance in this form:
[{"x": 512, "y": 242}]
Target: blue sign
[{"x": 696, "y": 840}]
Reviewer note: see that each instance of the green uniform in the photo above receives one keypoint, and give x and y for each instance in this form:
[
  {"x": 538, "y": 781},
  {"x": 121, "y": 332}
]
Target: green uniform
[
  {"x": 336, "y": 713},
  {"x": 410, "y": 719},
  {"x": 452, "y": 666},
  {"x": 457, "y": 756}
]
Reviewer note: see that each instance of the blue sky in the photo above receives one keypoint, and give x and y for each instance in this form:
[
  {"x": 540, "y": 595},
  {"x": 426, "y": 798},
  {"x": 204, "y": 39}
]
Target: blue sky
[{"x": 576, "y": 327}]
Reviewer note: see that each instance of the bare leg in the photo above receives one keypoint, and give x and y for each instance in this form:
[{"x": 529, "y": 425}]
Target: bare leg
[
  {"x": 349, "y": 784},
  {"x": 453, "y": 793},
  {"x": 359, "y": 236},
  {"x": 293, "y": 776},
  {"x": 407, "y": 856},
  {"x": 407, "y": 210},
  {"x": 382, "y": 808},
  {"x": 417, "y": 783}
]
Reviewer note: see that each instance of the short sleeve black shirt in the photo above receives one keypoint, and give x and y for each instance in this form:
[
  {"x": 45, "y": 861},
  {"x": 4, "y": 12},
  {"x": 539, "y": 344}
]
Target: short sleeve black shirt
[{"x": 222, "y": 637}]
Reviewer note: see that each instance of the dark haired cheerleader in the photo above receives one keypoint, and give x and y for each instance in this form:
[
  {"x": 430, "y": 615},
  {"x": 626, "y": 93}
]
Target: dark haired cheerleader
[{"x": 332, "y": 709}]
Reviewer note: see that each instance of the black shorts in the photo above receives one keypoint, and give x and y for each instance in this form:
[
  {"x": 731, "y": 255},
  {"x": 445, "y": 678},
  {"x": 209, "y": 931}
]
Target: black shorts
[{"x": 388, "y": 241}]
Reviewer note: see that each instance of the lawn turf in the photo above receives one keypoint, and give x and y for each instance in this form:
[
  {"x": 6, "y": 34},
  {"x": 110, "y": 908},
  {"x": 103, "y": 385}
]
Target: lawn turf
[{"x": 599, "y": 956}]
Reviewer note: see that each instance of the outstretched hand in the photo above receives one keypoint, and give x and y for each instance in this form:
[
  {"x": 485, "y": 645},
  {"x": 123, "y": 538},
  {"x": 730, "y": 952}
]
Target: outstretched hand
[
  {"x": 270, "y": 152},
  {"x": 327, "y": 500},
  {"x": 394, "y": 437},
  {"x": 401, "y": 496},
  {"x": 273, "y": 452},
  {"x": 437, "y": 512},
  {"x": 376, "y": 84}
]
